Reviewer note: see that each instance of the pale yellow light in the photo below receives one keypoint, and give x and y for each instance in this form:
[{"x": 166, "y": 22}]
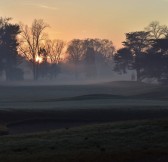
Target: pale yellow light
[{"x": 39, "y": 59}]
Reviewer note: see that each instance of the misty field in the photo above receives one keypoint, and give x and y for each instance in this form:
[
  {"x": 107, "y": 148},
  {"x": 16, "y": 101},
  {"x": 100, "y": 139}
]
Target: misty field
[
  {"x": 88, "y": 122},
  {"x": 105, "y": 95}
]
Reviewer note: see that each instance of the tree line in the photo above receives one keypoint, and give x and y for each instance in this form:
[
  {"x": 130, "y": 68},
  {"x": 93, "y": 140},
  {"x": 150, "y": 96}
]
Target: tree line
[{"x": 145, "y": 52}]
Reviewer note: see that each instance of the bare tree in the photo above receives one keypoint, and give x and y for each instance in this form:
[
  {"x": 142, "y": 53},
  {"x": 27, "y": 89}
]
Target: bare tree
[
  {"x": 156, "y": 30},
  {"x": 31, "y": 39},
  {"x": 54, "y": 50}
]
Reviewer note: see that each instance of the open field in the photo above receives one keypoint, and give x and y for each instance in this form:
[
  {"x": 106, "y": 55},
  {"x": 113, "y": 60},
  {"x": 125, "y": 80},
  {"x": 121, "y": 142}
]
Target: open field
[
  {"x": 140, "y": 141},
  {"x": 113, "y": 113},
  {"x": 58, "y": 106},
  {"x": 61, "y": 97}
]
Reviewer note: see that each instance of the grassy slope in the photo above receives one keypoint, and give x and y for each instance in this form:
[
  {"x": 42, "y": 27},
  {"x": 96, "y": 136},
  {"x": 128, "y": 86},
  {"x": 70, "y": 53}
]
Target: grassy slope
[{"x": 129, "y": 141}]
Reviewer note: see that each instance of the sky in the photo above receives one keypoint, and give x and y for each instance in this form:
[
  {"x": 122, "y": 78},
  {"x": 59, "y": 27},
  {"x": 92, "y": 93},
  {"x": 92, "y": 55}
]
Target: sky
[{"x": 70, "y": 19}]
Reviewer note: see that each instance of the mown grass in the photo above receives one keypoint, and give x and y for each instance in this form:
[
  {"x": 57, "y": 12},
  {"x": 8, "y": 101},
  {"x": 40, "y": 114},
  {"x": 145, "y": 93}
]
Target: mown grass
[{"x": 128, "y": 141}]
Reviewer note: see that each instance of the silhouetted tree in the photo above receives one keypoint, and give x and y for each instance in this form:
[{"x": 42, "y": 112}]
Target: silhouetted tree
[
  {"x": 75, "y": 51},
  {"x": 148, "y": 56},
  {"x": 102, "y": 50},
  {"x": 31, "y": 39},
  {"x": 46, "y": 69},
  {"x": 123, "y": 60},
  {"x": 54, "y": 50},
  {"x": 98, "y": 51},
  {"x": 160, "y": 47},
  {"x": 90, "y": 65},
  {"x": 137, "y": 43},
  {"x": 103, "y": 47},
  {"x": 8, "y": 49},
  {"x": 153, "y": 64},
  {"x": 157, "y": 31}
]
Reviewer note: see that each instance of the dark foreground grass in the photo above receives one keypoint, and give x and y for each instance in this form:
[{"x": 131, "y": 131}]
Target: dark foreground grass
[
  {"x": 118, "y": 142},
  {"x": 3, "y": 129}
]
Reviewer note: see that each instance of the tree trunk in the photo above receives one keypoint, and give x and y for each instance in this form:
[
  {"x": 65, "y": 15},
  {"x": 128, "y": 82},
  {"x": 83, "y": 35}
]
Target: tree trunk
[
  {"x": 35, "y": 77},
  {"x": 138, "y": 74},
  {"x": 76, "y": 71}
]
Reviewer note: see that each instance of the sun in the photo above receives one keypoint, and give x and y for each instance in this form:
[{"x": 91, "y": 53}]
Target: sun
[{"x": 39, "y": 59}]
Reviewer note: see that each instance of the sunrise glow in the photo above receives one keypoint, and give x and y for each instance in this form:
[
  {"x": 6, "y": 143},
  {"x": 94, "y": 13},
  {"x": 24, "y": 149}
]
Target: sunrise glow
[
  {"x": 109, "y": 19},
  {"x": 39, "y": 59},
  {"x": 84, "y": 80}
]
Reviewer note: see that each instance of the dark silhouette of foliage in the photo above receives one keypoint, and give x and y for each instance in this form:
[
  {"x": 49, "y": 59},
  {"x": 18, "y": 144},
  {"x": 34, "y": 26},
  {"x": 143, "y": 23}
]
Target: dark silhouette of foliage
[
  {"x": 160, "y": 47},
  {"x": 8, "y": 49},
  {"x": 137, "y": 43},
  {"x": 103, "y": 48},
  {"x": 146, "y": 52},
  {"x": 90, "y": 65},
  {"x": 92, "y": 53},
  {"x": 75, "y": 53},
  {"x": 123, "y": 60}
]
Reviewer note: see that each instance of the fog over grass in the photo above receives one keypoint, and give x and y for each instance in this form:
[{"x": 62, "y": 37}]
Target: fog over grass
[{"x": 79, "y": 96}]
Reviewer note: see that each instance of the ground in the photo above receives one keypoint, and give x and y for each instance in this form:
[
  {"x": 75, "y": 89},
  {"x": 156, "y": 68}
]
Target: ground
[{"x": 97, "y": 122}]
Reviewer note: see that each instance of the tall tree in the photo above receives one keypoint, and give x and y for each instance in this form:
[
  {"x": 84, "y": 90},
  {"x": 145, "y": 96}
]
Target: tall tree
[
  {"x": 154, "y": 64},
  {"x": 94, "y": 53},
  {"x": 90, "y": 63},
  {"x": 138, "y": 43},
  {"x": 8, "y": 48},
  {"x": 157, "y": 31},
  {"x": 31, "y": 39},
  {"x": 101, "y": 52},
  {"x": 75, "y": 51},
  {"x": 54, "y": 50},
  {"x": 123, "y": 60},
  {"x": 103, "y": 47},
  {"x": 160, "y": 48}
]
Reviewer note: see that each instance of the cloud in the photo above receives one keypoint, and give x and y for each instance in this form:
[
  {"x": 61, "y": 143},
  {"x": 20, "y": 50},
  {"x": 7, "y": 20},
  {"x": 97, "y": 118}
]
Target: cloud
[
  {"x": 47, "y": 7},
  {"x": 41, "y": 6}
]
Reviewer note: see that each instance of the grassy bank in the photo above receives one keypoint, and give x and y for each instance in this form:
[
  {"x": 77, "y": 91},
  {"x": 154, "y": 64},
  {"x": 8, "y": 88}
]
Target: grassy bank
[{"x": 129, "y": 141}]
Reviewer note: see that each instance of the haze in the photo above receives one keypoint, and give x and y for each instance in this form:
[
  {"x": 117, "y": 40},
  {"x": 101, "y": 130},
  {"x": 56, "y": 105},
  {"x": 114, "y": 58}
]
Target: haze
[
  {"x": 83, "y": 80},
  {"x": 70, "y": 19}
]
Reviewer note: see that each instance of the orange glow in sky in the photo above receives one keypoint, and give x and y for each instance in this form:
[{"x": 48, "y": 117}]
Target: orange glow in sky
[{"x": 70, "y": 19}]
